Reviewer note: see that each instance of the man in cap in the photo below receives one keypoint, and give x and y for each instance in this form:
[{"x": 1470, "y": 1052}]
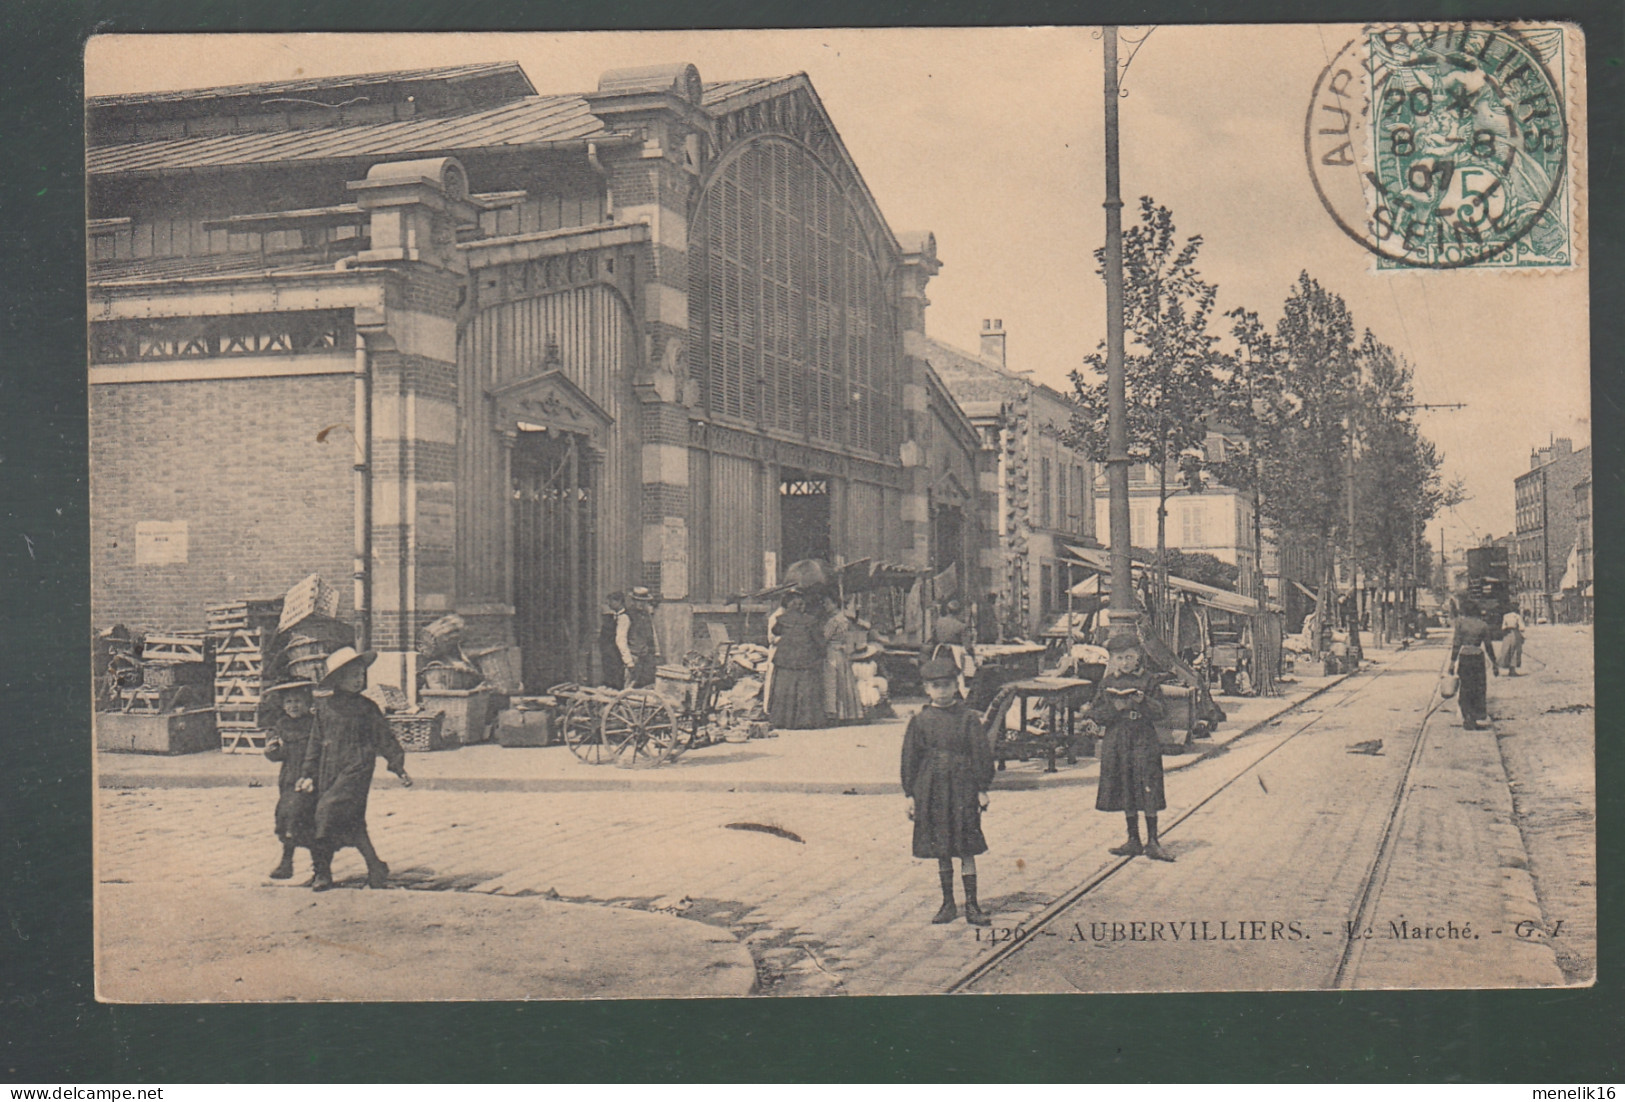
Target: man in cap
[
  {"x": 350, "y": 733},
  {"x": 635, "y": 637}
]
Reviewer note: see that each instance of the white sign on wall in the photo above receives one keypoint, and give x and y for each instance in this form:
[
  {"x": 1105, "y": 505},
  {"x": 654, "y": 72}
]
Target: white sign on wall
[{"x": 160, "y": 541}]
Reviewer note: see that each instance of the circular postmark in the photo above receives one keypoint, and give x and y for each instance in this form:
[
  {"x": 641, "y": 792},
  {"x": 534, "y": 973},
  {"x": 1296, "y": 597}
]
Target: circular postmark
[{"x": 1445, "y": 146}]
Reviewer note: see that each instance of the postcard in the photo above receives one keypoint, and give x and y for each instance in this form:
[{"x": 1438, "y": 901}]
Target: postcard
[{"x": 840, "y": 512}]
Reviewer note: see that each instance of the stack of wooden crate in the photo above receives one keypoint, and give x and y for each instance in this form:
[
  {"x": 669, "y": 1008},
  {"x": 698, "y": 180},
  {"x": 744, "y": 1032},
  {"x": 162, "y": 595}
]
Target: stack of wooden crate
[
  {"x": 239, "y": 632},
  {"x": 175, "y": 674}
]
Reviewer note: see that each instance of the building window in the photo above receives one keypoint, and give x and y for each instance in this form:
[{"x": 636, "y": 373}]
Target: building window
[
  {"x": 790, "y": 321},
  {"x": 1063, "y": 513},
  {"x": 1043, "y": 493},
  {"x": 1190, "y": 519},
  {"x": 1046, "y": 588}
]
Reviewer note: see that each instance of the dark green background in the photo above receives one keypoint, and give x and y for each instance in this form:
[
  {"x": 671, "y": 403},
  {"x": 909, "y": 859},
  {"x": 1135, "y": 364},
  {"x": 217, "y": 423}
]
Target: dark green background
[{"x": 53, "y": 1030}]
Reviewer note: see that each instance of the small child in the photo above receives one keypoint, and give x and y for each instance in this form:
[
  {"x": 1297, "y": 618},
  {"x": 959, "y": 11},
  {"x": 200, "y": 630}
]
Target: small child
[
  {"x": 947, "y": 771},
  {"x": 295, "y": 811},
  {"x": 1126, "y": 705},
  {"x": 350, "y": 734}
]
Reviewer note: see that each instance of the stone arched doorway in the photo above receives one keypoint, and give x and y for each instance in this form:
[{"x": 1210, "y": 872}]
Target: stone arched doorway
[{"x": 554, "y": 437}]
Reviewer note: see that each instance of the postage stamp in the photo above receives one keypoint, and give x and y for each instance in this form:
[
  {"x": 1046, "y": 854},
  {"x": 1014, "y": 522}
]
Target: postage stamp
[{"x": 1448, "y": 145}]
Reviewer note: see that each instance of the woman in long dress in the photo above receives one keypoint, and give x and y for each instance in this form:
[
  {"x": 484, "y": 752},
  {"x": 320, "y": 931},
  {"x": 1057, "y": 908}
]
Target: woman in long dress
[
  {"x": 843, "y": 639},
  {"x": 797, "y": 701},
  {"x": 1471, "y": 660}
]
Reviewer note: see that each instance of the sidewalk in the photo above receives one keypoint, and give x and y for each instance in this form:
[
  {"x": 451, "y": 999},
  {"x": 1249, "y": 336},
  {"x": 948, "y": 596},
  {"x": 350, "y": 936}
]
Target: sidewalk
[{"x": 859, "y": 761}]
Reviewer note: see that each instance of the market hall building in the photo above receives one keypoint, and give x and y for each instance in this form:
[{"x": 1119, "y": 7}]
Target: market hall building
[{"x": 500, "y": 353}]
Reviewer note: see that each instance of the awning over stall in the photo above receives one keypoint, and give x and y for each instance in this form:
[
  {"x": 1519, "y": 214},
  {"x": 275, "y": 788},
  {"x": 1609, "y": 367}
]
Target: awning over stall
[{"x": 1211, "y": 596}]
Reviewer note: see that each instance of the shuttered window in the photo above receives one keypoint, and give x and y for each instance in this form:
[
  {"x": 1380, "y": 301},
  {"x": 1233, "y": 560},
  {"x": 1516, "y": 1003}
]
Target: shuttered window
[{"x": 790, "y": 317}]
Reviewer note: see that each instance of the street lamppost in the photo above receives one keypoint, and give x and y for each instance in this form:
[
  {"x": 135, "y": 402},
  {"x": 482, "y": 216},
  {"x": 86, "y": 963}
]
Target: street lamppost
[{"x": 1122, "y": 616}]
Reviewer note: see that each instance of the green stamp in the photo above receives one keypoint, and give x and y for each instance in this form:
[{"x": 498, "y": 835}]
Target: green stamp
[{"x": 1447, "y": 146}]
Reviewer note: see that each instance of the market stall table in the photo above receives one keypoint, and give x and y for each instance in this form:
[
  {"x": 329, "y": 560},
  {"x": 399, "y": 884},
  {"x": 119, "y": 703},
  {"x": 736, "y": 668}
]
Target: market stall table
[{"x": 1061, "y": 697}]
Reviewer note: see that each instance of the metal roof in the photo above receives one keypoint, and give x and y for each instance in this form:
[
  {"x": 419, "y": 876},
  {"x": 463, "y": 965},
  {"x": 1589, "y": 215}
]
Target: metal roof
[
  {"x": 144, "y": 269},
  {"x": 441, "y": 73},
  {"x": 533, "y": 120},
  {"x": 719, "y": 93}
]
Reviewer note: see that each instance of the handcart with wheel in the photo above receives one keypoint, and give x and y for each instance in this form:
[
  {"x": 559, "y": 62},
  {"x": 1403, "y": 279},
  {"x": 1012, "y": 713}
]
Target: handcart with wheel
[
  {"x": 637, "y": 728},
  {"x": 632, "y": 728}
]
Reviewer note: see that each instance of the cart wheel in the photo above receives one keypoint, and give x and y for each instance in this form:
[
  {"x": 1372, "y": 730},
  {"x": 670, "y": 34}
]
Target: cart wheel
[
  {"x": 581, "y": 731},
  {"x": 690, "y": 733},
  {"x": 639, "y": 729}
]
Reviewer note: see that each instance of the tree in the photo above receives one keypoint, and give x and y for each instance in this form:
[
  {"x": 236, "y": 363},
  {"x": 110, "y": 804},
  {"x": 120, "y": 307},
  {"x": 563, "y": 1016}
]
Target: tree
[
  {"x": 1396, "y": 478},
  {"x": 1169, "y": 359},
  {"x": 1292, "y": 392}
]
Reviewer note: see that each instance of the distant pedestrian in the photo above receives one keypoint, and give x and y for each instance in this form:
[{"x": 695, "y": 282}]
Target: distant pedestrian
[
  {"x": 1127, "y": 705},
  {"x": 287, "y": 743},
  {"x": 1511, "y": 642},
  {"x": 947, "y": 769},
  {"x": 1469, "y": 656},
  {"x": 635, "y": 638},
  {"x": 349, "y": 735}
]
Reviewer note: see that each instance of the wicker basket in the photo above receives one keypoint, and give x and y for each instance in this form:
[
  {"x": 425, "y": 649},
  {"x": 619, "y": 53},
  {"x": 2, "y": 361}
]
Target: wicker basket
[
  {"x": 309, "y": 669},
  {"x": 420, "y": 733},
  {"x": 450, "y": 677},
  {"x": 303, "y": 646}
]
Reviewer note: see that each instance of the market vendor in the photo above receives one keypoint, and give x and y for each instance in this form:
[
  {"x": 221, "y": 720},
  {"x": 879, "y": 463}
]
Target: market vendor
[
  {"x": 844, "y": 638},
  {"x": 951, "y": 637},
  {"x": 609, "y": 649},
  {"x": 635, "y": 637},
  {"x": 797, "y": 696}
]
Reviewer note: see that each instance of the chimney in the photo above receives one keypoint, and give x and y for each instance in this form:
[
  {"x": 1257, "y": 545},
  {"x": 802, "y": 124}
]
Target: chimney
[
  {"x": 993, "y": 340},
  {"x": 1563, "y": 446}
]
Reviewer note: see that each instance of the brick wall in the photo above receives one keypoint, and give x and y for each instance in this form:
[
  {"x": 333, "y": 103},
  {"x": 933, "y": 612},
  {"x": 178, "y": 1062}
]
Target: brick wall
[{"x": 237, "y": 459}]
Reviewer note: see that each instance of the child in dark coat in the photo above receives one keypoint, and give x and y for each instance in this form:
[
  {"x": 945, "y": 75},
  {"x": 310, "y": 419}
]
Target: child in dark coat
[
  {"x": 947, "y": 771},
  {"x": 286, "y": 743},
  {"x": 1126, "y": 705},
  {"x": 350, "y": 734}
]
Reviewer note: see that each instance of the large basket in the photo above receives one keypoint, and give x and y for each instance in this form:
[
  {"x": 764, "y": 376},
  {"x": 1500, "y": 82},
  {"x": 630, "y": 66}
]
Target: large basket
[
  {"x": 304, "y": 646},
  {"x": 456, "y": 678},
  {"x": 441, "y": 636},
  {"x": 420, "y": 733},
  {"x": 309, "y": 669}
]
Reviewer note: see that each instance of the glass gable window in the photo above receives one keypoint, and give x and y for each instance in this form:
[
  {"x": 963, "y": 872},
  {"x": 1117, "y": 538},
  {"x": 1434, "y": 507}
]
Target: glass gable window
[{"x": 790, "y": 320}]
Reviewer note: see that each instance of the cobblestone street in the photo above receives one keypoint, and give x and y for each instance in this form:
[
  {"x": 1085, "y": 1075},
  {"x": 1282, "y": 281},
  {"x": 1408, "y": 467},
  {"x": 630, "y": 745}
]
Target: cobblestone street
[
  {"x": 1281, "y": 826},
  {"x": 1325, "y": 839}
]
